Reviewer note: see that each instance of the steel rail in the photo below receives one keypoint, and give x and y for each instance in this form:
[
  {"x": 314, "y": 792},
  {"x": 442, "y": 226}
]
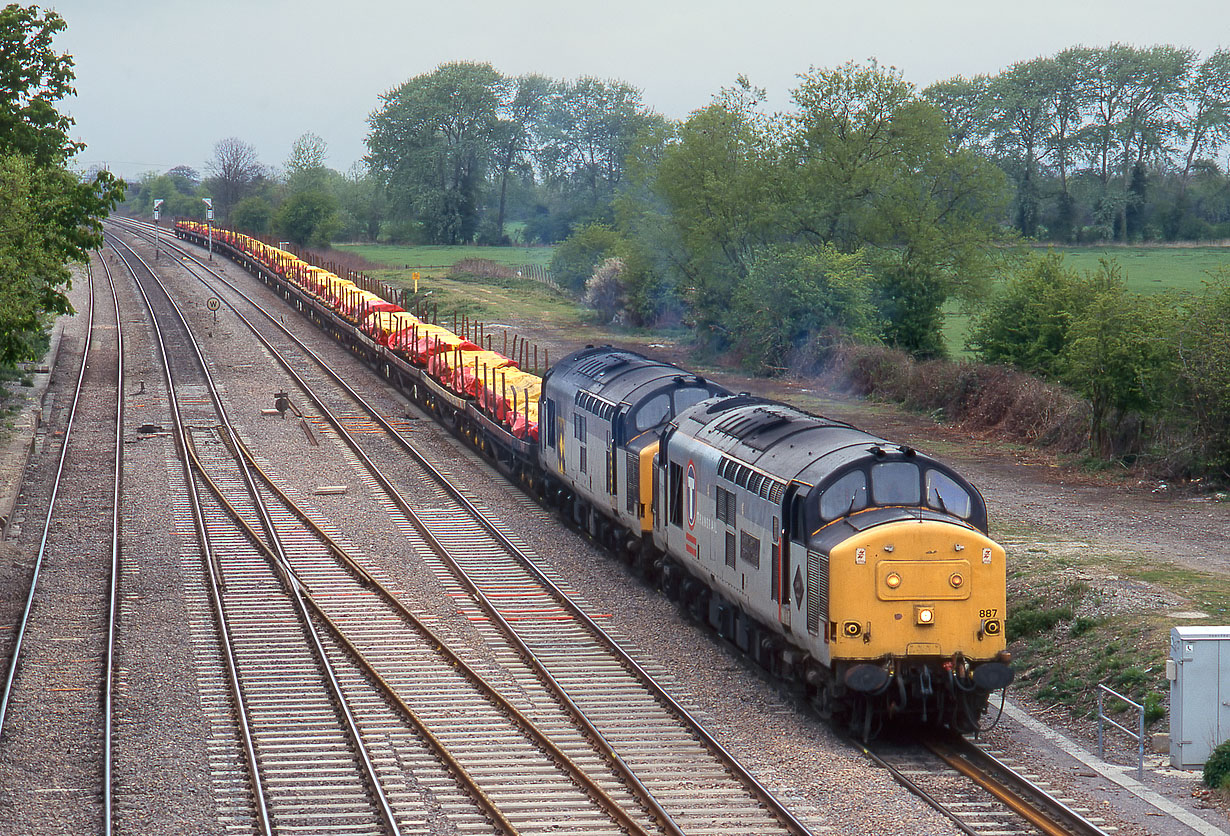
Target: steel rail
[
  {"x": 907, "y": 782},
  {"x": 528, "y": 726},
  {"x": 736, "y": 768},
  {"x": 113, "y": 585},
  {"x": 23, "y": 624},
  {"x": 215, "y": 576},
  {"x": 977, "y": 765},
  {"x": 282, "y": 565},
  {"x": 602, "y": 745}
]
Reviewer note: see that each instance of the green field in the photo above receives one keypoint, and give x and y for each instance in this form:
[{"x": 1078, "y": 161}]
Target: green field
[
  {"x": 443, "y": 257},
  {"x": 1155, "y": 269},
  {"x": 1145, "y": 269}
]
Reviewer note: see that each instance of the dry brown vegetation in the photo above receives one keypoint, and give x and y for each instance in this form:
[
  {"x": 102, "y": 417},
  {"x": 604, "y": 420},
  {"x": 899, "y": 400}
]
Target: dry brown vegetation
[{"x": 981, "y": 398}]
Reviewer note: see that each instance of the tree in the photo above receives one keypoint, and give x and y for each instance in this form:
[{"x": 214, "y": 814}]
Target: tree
[
  {"x": 1020, "y": 120},
  {"x": 430, "y": 146},
  {"x": 963, "y": 102},
  {"x": 1026, "y": 324},
  {"x": 48, "y": 215},
  {"x": 874, "y": 169},
  {"x": 253, "y": 215},
  {"x": 176, "y": 201},
  {"x": 1119, "y": 354},
  {"x": 305, "y": 168},
  {"x": 185, "y": 178},
  {"x": 236, "y": 169},
  {"x": 1203, "y": 356},
  {"x": 715, "y": 191},
  {"x": 362, "y": 205},
  {"x": 590, "y": 127},
  {"x": 1207, "y": 123},
  {"x": 573, "y": 261},
  {"x": 516, "y": 135},
  {"x": 1068, "y": 97},
  {"x": 307, "y": 218},
  {"x": 33, "y": 77},
  {"x": 799, "y": 300}
]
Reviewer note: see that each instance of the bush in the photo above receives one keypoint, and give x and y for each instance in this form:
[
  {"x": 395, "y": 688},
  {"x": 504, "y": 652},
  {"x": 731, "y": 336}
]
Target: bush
[
  {"x": 978, "y": 397},
  {"x": 1029, "y": 621},
  {"x": 1154, "y": 710},
  {"x": 604, "y": 292},
  {"x": 1217, "y": 767},
  {"x": 575, "y": 259}
]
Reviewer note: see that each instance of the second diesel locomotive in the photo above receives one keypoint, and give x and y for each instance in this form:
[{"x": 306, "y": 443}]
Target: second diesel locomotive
[{"x": 858, "y": 568}]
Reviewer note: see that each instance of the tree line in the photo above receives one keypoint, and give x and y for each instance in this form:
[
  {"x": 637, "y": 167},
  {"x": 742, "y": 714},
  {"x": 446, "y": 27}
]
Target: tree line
[
  {"x": 1104, "y": 143},
  {"x": 303, "y": 201},
  {"x": 854, "y": 217}
]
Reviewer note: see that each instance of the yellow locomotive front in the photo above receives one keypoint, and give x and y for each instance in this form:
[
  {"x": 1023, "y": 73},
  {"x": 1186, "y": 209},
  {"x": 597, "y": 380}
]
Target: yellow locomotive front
[
  {"x": 913, "y": 592},
  {"x": 923, "y": 588},
  {"x": 916, "y": 621}
]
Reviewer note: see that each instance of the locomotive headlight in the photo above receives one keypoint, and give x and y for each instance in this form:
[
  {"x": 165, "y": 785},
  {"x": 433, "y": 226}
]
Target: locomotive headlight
[
  {"x": 956, "y": 580},
  {"x": 924, "y": 614},
  {"x": 893, "y": 580}
]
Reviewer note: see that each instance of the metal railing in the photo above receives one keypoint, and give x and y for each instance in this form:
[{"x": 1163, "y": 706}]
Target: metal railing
[{"x": 1138, "y": 735}]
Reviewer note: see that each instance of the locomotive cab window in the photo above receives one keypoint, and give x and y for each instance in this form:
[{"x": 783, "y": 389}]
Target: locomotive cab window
[
  {"x": 691, "y": 396},
  {"x": 895, "y": 483},
  {"x": 846, "y": 495},
  {"x": 655, "y": 411},
  {"x": 944, "y": 494}
]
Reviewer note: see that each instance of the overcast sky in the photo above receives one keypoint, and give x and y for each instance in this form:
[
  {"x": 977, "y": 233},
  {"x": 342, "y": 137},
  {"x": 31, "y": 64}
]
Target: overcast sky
[{"x": 158, "y": 83}]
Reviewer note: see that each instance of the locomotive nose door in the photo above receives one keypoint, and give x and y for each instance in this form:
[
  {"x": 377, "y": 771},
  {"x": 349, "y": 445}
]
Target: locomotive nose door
[{"x": 794, "y": 542}]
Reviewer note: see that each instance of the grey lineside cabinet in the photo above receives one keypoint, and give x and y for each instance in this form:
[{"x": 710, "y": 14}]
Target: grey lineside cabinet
[{"x": 1199, "y": 674}]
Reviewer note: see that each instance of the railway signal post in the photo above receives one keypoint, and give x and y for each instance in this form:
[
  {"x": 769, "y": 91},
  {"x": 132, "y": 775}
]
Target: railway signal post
[
  {"x": 209, "y": 221},
  {"x": 157, "y": 216}
]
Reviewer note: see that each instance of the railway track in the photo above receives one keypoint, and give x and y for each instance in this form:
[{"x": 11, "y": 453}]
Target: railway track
[
  {"x": 49, "y": 705},
  {"x": 562, "y": 662},
  {"x": 534, "y": 801},
  {"x": 979, "y": 791}
]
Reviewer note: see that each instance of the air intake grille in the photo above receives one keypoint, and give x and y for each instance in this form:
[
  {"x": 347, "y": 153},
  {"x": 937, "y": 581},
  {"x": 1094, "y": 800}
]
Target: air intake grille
[
  {"x": 634, "y": 482},
  {"x": 817, "y": 591}
]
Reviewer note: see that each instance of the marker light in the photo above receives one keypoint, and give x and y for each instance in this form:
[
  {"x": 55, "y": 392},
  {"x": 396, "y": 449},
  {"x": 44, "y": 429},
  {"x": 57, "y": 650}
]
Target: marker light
[
  {"x": 893, "y": 580},
  {"x": 956, "y": 580}
]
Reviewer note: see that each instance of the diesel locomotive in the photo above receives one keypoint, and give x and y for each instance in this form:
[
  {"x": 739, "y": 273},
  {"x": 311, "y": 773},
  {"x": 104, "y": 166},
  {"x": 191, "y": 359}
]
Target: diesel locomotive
[{"x": 859, "y": 570}]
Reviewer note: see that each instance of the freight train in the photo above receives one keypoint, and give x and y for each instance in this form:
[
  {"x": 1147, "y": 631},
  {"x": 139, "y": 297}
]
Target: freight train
[{"x": 856, "y": 569}]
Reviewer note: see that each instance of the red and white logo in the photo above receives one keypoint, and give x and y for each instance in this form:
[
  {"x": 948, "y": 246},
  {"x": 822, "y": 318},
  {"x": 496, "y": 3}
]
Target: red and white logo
[{"x": 690, "y": 483}]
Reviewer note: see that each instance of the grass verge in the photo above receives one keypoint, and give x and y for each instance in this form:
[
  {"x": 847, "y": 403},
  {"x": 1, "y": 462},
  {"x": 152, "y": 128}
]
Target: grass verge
[
  {"x": 1078, "y": 619},
  {"x": 441, "y": 258}
]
